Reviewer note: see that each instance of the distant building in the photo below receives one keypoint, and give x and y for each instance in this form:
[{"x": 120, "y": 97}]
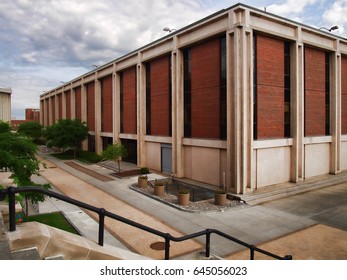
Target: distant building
[
  {"x": 5, "y": 104},
  {"x": 242, "y": 98},
  {"x": 31, "y": 115}
]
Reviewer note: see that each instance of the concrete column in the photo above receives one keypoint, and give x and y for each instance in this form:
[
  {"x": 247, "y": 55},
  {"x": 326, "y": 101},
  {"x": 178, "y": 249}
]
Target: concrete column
[
  {"x": 335, "y": 112},
  {"x": 141, "y": 115},
  {"x": 239, "y": 100},
  {"x": 297, "y": 111},
  {"x": 177, "y": 113},
  {"x": 98, "y": 140}
]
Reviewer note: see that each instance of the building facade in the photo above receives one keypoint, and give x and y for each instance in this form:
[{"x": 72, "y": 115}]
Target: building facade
[
  {"x": 5, "y": 104},
  {"x": 242, "y": 99}
]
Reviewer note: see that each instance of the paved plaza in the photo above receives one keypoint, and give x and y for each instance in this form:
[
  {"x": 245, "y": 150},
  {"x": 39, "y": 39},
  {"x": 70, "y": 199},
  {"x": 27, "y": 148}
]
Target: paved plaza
[{"x": 311, "y": 225}]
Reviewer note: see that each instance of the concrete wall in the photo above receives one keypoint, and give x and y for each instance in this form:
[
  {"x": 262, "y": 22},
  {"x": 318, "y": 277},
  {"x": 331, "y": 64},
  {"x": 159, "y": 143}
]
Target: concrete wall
[{"x": 5, "y": 104}]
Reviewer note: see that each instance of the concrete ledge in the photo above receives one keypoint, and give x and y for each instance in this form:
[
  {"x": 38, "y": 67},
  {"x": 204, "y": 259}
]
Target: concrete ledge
[{"x": 51, "y": 241}]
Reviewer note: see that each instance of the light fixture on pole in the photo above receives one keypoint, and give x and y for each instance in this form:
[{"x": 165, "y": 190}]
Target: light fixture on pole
[
  {"x": 335, "y": 27},
  {"x": 167, "y": 29}
]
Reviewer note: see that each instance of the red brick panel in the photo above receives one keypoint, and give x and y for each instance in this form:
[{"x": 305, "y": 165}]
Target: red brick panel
[
  {"x": 160, "y": 97},
  {"x": 42, "y": 110},
  {"x": 78, "y": 103},
  {"x": 344, "y": 95},
  {"x": 314, "y": 92},
  {"x": 205, "y": 90},
  {"x": 129, "y": 101},
  {"x": 53, "y": 109},
  {"x": 60, "y": 106},
  {"x": 48, "y": 112},
  {"x": 68, "y": 104},
  {"x": 91, "y": 106},
  {"x": 29, "y": 114},
  {"x": 107, "y": 116},
  {"x": 270, "y": 88}
]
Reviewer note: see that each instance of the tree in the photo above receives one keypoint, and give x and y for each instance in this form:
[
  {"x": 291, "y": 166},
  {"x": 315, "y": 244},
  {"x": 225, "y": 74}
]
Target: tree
[
  {"x": 115, "y": 152},
  {"x": 4, "y": 127},
  {"x": 67, "y": 134},
  {"x": 32, "y": 130},
  {"x": 17, "y": 154}
]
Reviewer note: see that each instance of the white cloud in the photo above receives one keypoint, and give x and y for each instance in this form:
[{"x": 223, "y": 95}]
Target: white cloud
[
  {"x": 336, "y": 15},
  {"x": 48, "y": 41},
  {"x": 290, "y": 7}
]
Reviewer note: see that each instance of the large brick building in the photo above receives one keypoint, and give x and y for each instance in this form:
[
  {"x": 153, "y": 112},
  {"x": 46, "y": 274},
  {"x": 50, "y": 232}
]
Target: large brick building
[{"x": 242, "y": 98}]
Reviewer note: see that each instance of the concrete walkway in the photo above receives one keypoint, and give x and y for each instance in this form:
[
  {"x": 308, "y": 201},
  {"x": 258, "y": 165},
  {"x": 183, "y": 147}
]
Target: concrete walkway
[{"x": 256, "y": 224}]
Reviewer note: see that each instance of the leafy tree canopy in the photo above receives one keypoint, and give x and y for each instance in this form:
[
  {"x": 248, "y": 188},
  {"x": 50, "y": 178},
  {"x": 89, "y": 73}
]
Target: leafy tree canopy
[
  {"x": 67, "y": 134},
  {"x": 115, "y": 152},
  {"x": 5, "y": 127},
  {"x": 31, "y": 129}
]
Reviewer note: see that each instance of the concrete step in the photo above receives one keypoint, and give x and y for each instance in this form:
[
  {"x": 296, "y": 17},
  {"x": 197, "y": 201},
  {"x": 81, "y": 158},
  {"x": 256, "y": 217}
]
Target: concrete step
[
  {"x": 197, "y": 256},
  {"x": 26, "y": 254},
  {"x": 288, "y": 189},
  {"x": 5, "y": 252}
]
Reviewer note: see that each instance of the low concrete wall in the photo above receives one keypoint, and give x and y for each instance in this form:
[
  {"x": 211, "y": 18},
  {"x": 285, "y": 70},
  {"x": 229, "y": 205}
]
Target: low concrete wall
[{"x": 51, "y": 242}]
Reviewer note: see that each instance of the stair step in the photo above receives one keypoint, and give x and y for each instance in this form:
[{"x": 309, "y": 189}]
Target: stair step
[
  {"x": 5, "y": 252},
  {"x": 55, "y": 258},
  {"x": 197, "y": 256},
  {"x": 26, "y": 254}
]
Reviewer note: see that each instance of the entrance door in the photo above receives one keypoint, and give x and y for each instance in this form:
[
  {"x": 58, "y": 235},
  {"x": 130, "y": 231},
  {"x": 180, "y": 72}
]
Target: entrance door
[{"x": 166, "y": 159}]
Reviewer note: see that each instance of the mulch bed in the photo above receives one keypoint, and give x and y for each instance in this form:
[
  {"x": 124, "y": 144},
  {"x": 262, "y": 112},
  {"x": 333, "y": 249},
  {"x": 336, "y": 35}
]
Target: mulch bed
[{"x": 126, "y": 173}]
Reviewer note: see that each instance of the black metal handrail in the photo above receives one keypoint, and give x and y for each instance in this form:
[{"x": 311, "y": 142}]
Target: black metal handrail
[{"x": 11, "y": 192}]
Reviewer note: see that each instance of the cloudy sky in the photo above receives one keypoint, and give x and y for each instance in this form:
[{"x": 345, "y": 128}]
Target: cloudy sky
[{"x": 46, "y": 42}]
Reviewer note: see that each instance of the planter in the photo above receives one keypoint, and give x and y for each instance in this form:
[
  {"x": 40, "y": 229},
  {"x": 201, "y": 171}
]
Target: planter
[
  {"x": 159, "y": 190},
  {"x": 183, "y": 199},
  {"x": 142, "y": 182},
  {"x": 220, "y": 199}
]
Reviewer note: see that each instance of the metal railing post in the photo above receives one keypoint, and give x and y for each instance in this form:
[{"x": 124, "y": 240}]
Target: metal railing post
[
  {"x": 167, "y": 247},
  {"x": 12, "y": 208},
  {"x": 251, "y": 248},
  {"x": 208, "y": 243},
  {"x": 101, "y": 226}
]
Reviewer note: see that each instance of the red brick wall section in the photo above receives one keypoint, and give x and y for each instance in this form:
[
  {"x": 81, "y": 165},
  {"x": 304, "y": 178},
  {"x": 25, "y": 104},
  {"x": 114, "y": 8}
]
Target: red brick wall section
[
  {"x": 129, "y": 101},
  {"x": 53, "y": 109},
  {"x": 344, "y": 95},
  {"x": 48, "y": 112},
  {"x": 270, "y": 88},
  {"x": 314, "y": 92},
  {"x": 107, "y": 116},
  {"x": 42, "y": 110},
  {"x": 160, "y": 94},
  {"x": 78, "y": 103},
  {"x": 60, "y": 107},
  {"x": 29, "y": 114},
  {"x": 68, "y": 104},
  {"x": 205, "y": 75},
  {"x": 91, "y": 106}
]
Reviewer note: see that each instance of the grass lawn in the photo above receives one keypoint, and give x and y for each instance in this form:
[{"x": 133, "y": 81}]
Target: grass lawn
[{"x": 55, "y": 219}]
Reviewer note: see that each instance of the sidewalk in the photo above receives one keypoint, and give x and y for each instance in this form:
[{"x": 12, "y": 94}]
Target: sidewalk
[{"x": 257, "y": 224}]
